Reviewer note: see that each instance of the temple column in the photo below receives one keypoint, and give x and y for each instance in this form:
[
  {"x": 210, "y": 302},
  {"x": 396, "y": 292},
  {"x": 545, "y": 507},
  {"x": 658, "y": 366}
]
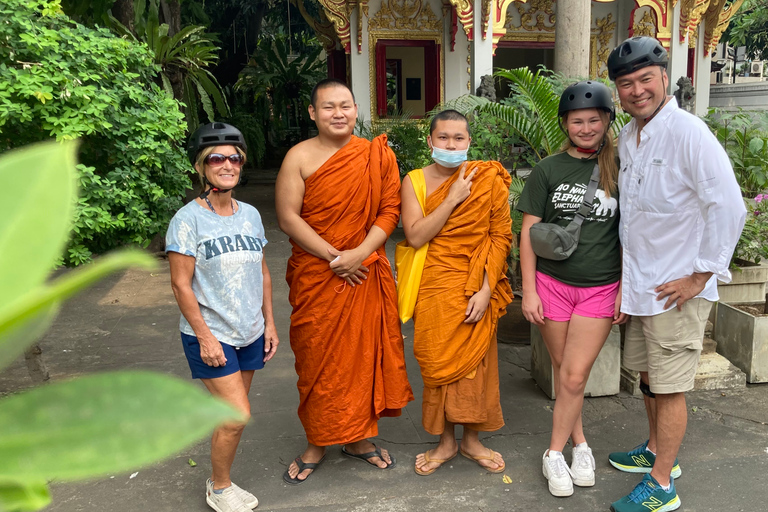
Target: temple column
[
  {"x": 359, "y": 73},
  {"x": 678, "y": 53},
  {"x": 572, "y": 41},
  {"x": 703, "y": 66},
  {"x": 481, "y": 50}
]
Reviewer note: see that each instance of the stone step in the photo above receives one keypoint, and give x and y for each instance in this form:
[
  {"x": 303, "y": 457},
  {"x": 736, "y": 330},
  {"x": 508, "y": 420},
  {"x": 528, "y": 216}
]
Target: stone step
[
  {"x": 709, "y": 346},
  {"x": 714, "y": 372}
]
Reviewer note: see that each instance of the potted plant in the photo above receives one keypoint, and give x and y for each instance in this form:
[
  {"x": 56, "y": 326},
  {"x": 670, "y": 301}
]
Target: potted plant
[{"x": 741, "y": 327}]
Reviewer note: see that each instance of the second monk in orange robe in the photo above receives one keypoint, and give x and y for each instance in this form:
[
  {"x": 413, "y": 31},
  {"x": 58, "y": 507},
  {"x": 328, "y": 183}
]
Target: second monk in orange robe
[
  {"x": 463, "y": 292},
  {"x": 338, "y": 198}
]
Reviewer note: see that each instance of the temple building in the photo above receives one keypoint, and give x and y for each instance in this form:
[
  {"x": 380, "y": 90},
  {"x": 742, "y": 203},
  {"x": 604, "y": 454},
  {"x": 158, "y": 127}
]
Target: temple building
[{"x": 411, "y": 55}]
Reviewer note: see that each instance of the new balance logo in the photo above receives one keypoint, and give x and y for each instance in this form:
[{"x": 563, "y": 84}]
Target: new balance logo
[
  {"x": 652, "y": 503},
  {"x": 641, "y": 461}
]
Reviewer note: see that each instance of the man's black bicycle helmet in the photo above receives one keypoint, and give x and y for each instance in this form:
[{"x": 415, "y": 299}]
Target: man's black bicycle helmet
[
  {"x": 214, "y": 134},
  {"x": 636, "y": 53},
  {"x": 586, "y": 95}
]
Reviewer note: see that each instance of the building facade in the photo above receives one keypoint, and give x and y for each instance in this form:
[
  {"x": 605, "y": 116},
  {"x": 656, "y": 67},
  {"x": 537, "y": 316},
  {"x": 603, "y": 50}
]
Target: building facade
[{"x": 411, "y": 55}]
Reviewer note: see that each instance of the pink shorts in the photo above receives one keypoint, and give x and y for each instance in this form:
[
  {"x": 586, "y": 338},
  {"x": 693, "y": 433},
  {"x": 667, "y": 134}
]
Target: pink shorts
[{"x": 560, "y": 301}]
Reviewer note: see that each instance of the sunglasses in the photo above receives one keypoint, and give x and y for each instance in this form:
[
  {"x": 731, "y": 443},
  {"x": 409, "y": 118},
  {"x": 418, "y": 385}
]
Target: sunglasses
[{"x": 216, "y": 159}]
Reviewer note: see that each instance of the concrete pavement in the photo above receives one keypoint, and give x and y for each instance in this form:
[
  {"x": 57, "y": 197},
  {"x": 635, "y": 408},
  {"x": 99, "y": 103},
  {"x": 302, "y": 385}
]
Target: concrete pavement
[{"x": 131, "y": 321}]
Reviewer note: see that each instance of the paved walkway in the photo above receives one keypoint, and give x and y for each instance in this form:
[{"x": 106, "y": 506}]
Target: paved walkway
[{"x": 131, "y": 321}]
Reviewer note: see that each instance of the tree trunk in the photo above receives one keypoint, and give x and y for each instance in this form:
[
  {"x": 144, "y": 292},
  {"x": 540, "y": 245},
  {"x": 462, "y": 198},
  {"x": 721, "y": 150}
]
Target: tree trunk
[
  {"x": 35, "y": 364},
  {"x": 122, "y": 10},
  {"x": 171, "y": 14}
]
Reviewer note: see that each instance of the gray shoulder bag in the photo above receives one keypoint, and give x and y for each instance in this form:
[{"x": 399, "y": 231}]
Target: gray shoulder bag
[{"x": 557, "y": 243}]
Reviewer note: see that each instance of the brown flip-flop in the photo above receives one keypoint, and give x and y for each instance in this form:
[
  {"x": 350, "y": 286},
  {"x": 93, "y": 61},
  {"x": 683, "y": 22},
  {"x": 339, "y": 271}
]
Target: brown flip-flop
[
  {"x": 491, "y": 453},
  {"x": 439, "y": 461}
]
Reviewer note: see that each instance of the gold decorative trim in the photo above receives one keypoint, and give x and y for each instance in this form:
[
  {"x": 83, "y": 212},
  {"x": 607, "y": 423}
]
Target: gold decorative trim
[
  {"x": 603, "y": 37},
  {"x": 466, "y": 15},
  {"x": 362, "y": 10},
  {"x": 645, "y": 26},
  {"x": 338, "y": 12},
  {"x": 410, "y": 20},
  {"x": 691, "y": 12},
  {"x": 663, "y": 21},
  {"x": 717, "y": 20},
  {"x": 323, "y": 28},
  {"x": 500, "y": 20},
  {"x": 486, "y": 6}
]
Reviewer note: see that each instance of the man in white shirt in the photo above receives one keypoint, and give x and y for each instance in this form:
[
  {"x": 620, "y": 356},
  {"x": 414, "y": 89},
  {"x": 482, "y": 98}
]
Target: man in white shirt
[{"x": 681, "y": 216}]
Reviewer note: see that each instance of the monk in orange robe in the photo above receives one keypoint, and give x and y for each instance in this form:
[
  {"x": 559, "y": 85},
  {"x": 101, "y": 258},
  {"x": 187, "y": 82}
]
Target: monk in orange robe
[
  {"x": 338, "y": 199},
  {"x": 463, "y": 292}
]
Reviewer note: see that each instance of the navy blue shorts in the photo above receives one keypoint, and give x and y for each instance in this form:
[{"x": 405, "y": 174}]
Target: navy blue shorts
[{"x": 238, "y": 358}]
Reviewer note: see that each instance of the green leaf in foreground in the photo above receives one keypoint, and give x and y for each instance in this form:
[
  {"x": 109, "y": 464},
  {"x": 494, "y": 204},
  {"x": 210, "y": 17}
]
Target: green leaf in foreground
[
  {"x": 23, "y": 497},
  {"x": 25, "y": 320},
  {"x": 36, "y": 214},
  {"x": 102, "y": 424}
]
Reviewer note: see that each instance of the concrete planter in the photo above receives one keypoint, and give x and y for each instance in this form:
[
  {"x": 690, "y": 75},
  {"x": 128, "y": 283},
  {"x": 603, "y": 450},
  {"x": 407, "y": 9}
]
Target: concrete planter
[
  {"x": 604, "y": 378},
  {"x": 746, "y": 287},
  {"x": 743, "y": 339}
]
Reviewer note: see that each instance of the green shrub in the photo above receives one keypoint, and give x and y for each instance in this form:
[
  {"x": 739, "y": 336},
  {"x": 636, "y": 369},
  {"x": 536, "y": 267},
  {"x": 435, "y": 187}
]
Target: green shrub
[
  {"x": 62, "y": 80},
  {"x": 407, "y": 137}
]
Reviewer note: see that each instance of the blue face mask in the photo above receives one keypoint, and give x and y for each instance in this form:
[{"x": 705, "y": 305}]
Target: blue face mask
[{"x": 448, "y": 158}]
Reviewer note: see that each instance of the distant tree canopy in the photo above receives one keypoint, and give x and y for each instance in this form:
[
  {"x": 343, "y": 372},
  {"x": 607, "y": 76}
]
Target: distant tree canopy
[
  {"x": 63, "y": 80},
  {"x": 749, "y": 28}
]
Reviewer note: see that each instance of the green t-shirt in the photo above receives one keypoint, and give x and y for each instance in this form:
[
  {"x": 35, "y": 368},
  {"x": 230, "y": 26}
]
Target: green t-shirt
[{"x": 554, "y": 191}]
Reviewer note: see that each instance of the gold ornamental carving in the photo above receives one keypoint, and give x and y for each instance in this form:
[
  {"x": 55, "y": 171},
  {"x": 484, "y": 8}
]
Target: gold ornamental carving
[
  {"x": 691, "y": 12},
  {"x": 663, "y": 19},
  {"x": 601, "y": 41},
  {"x": 717, "y": 20},
  {"x": 537, "y": 15},
  {"x": 323, "y": 28},
  {"x": 499, "y": 13},
  {"x": 465, "y": 13},
  {"x": 406, "y": 15},
  {"x": 645, "y": 26},
  {"x": 362, "y": 10},
  {"x": 338, "y": 12}
]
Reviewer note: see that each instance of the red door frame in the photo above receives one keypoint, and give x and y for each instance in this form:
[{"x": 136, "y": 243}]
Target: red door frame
[{"x": 431, "y": 80}]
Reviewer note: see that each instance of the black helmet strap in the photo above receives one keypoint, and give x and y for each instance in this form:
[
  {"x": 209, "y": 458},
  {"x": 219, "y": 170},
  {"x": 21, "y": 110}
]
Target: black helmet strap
[{"x": 663, "y": 98}]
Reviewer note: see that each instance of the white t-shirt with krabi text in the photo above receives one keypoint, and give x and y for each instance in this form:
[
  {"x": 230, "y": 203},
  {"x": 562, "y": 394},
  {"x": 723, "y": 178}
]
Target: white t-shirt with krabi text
[{"x": 228, "y": 281}]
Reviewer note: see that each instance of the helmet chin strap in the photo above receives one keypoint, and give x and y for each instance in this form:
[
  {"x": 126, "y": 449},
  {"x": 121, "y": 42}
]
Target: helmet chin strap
[
  {"x": 213, "y": 189},
  {"x": 663, "y": 101}
]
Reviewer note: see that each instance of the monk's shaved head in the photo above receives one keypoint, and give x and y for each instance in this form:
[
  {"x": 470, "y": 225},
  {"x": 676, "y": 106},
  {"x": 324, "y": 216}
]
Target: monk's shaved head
[
  {"x": 326, "y": 83},
  {"x": 447, "y": 115}
]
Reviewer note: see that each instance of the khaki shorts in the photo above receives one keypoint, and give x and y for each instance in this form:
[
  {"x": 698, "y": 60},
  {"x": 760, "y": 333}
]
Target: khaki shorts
[{"x": 667, "y": 346}]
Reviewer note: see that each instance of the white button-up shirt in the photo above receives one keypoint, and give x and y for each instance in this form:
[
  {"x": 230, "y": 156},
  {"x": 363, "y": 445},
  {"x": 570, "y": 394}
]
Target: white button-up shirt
[{"x": 681, "y": 207}]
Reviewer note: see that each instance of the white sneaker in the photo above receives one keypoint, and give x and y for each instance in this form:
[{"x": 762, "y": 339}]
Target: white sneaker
[
  {"x": 557, "y": 473},
  {"x": 227, "y": 501},
  {"x": 249, "y": 499},
  {"x": 583, "y": 467}
]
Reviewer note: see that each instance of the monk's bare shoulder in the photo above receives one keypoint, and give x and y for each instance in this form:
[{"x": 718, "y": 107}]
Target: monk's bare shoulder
[{"x": 306, "y": 157}]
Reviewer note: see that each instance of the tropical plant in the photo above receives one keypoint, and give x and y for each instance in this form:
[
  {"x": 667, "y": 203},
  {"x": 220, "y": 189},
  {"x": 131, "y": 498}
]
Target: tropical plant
[
  {"x": 280, "y": 84},
  {"x": 93, "y": 425},
  {"x": 406, "y": 136},
  {"x": 62, "y": 80},
  {"x": 744, "y": 135},
  {"x": 184, "y": 59},
  {"x": 749, "y": 28}
]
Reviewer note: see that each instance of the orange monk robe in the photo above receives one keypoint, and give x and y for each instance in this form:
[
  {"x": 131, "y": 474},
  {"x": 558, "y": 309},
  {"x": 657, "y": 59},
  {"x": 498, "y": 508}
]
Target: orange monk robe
[
  {"x": 347, "y": 340},
  {"x": 459, "y": 361}
]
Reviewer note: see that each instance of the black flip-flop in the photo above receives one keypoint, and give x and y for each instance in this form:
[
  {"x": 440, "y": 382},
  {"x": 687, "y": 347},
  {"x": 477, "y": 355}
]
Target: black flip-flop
[
  {"x": 367, "y": 456},
  {"x": 302, "y": 466}
]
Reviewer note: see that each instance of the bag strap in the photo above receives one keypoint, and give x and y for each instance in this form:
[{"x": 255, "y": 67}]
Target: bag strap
[
  {"x": 420, "y": 187},
  {"x": 589, "y": 197}
]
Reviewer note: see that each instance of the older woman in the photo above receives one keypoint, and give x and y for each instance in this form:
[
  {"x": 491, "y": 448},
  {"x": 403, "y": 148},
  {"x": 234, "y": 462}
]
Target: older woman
[{"x": 224, "y": 291}]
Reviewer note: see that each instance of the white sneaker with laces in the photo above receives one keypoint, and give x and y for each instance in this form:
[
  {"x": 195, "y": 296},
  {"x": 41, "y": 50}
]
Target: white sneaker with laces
[
  {"x": 558, "y": 474},
  {"x": 583, "y": 466},
  {"x": 249, "y": 499},
  {"x": 226, "y": 501}
]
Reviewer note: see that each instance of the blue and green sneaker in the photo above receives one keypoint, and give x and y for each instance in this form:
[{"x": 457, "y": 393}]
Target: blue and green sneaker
[
  {"x": 638, "y": 460},
  {"x": 648, "y": 496}
]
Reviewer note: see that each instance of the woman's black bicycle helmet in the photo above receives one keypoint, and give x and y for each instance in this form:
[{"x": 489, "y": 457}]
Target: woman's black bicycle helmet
[
  {"x": 636, "y": 53},
  {"x": 214, "y": 134},
  {"x": 586, "y": 95}
]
